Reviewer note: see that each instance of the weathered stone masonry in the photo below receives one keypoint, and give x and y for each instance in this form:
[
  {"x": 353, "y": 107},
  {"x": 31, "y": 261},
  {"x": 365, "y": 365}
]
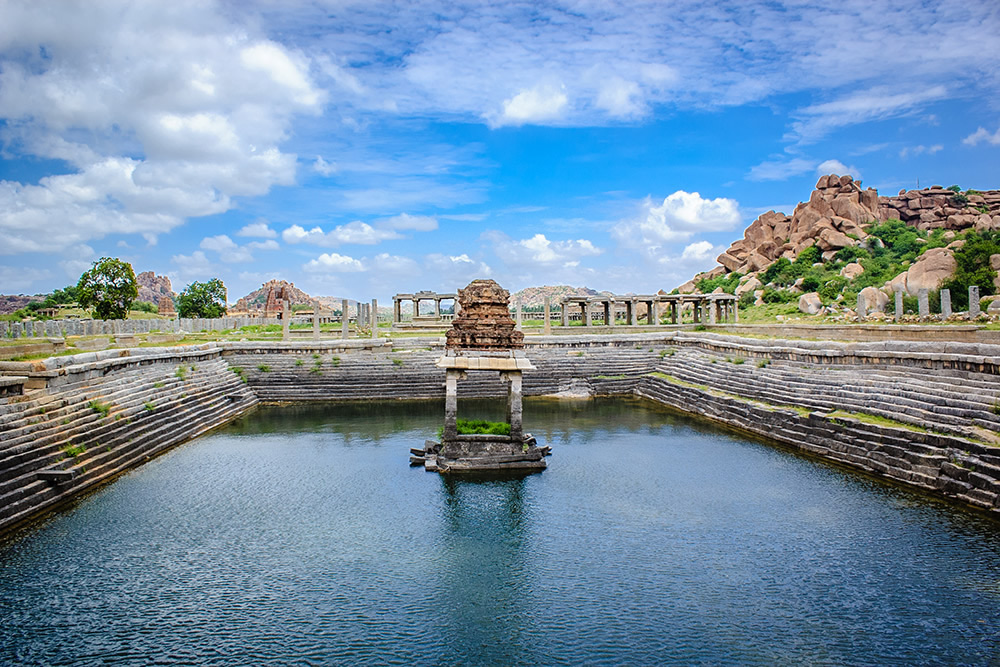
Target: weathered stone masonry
[{"x": 787, "y": 391}]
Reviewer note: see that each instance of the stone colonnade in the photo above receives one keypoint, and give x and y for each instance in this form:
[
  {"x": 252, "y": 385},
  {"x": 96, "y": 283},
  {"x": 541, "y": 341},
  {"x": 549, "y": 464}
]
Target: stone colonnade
[{"x": 709, "y": 308}]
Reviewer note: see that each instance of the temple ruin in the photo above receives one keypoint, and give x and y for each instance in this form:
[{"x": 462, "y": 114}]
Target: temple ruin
[{"x": 483, "y": 338}]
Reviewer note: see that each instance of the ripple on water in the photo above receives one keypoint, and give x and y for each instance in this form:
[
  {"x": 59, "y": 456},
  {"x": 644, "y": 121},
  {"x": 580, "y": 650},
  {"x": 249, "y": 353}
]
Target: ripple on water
[{"x": 301, "y": 537}]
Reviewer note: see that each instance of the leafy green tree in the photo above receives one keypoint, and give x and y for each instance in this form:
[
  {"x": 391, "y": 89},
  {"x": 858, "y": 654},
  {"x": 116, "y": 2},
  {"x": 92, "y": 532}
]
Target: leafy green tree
[
  {"x": 145, "y": 307},
  {"x": 109, "y": 287},
  {"x": 203, "y": 299}
]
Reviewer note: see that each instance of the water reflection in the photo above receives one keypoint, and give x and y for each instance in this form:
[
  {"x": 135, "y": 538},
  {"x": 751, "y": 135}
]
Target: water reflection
[{"x": 484, "y": 578}]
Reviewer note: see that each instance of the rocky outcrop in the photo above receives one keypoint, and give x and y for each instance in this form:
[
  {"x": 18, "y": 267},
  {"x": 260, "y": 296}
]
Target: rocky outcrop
[
  {"x": 833, "y": 218},
  {"x": 532, "y": 297},
  {"x": 928, "y": 272},
  {"x": 936, "y": 207},
  {"x": 874, "y": 299},
  {"x": 152, "y": 287}
]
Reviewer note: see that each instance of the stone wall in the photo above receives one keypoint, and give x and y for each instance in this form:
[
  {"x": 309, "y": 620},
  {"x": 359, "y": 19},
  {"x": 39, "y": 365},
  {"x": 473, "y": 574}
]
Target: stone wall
[
  {"x": 87, "y": 418},
  {"x": 924, "y": 414},
  {"x": 57, "y": 328}
]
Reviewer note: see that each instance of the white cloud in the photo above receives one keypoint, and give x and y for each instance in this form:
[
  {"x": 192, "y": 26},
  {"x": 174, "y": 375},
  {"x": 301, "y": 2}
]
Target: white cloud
[
  {"x": 386, "y": 264},
  {"x": 229, "y": 251},
  {"x": 876, "y": 103},
  {"x": 539, "y": 250},
  {"x": 331, "y": 262},
  {"x": 353, "y": 232},
  {"x": 698, "y": 251},
  {"x": 259, "y": 229},
  {"x": 981, "y": 135},
  {"x": 919, "y": 150},
  {"x": 321, "y": 166},
  {"x": 539, "y": 104},
  {"x": 677, "y": 218},
  {"x": 620, "y": 98},
  {"x": 161, "y": 111},
  {"x": 457, "y": 270},
  {"x": 839, "y": 168},
  {"x": 195, "y": 266},
  {"x": 780, "y": 170},
  {"x": 269, "y": 244}
]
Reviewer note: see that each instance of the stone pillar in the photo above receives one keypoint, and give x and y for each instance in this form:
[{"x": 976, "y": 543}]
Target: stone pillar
[
  {"x": 609, "y": 313},
  {"x": 374, "y": 318},
  {"x": 285, "y": 319},
  {"x": 862, "y": 313},
  {"x": 450, "y": 404},
  {"x": 588, "y": 318},
  {"x": 548, "y": 316},
  {"x": 736, "y": 312},
  {"x": 517, "y": 313},
  {"x": 437, "y": 308},
  {"x": 713, "y": 314},
  {"x": 564, "y": 313},
  {"x": 514, "y": 405},
  {"x": 396, "y": 316},
  {"x": 923, "y": 308},
  {"x": 315, "y": 320},
  {"x": 974, "y": 301},
  {"x": 945, "y": 304},
  {"x": 345, "y": 318},
  {"x": 633, "y": 317},
  {"x": 899, "y": 305}
]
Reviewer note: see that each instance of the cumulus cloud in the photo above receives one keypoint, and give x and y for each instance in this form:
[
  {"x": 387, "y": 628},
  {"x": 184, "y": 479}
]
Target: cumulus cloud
[
  {"x": 541, "y": 103},
  {"x": 162, "y": 115},
  {"x": 677, "y": 218},
  {"x": 196, "y": 266},
  {"x": 920, "y": 150},
  {"x": 353, "y": 232},
  {"x": 539, "y": 250},
  {"x": 837, "y": 167},
  {"x": 331, "y": 262},
  {"x": 780, "y": 170},
  {"x": 269, "y": 244},
  {"x": 229, "y": 251},
  {"x": 698, "y": 252},
  {"x": 982, "y": 136},
  {"x": 259, "y": 229}
]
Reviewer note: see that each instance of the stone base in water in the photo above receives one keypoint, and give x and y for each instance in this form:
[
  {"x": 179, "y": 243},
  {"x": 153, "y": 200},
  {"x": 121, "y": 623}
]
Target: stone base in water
[{"x": 481, "y": 453}]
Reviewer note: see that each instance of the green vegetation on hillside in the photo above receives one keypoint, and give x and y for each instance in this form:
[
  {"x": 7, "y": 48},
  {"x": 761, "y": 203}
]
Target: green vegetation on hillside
[{"x": 891, "y": 247}]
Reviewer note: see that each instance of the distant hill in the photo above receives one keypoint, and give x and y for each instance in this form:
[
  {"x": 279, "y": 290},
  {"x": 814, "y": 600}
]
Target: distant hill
[
  {"x": 535, "y": 296},
  {"x": 152, "y": 287},
  {"x": 11, "y": 302},
  {"x": 258, "y": 297}
]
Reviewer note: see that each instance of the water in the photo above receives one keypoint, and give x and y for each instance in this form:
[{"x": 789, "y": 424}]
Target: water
[{"x": 300, "y": 536}]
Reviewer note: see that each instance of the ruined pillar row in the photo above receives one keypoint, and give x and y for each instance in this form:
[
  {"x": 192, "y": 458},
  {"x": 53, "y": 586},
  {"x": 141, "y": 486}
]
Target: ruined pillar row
[
  {"x": 514, "y": 408},
  {"x": 945, "y": 304},
  {"x": 450, "y": 404},
  {"x": 345, "y": 318},
  {"x": 548, "y": 316},
  {"x": 374, "y": 318}
]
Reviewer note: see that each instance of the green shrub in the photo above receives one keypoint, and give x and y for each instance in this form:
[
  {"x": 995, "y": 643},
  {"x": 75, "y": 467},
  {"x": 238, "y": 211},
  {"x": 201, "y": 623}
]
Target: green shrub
[
  {"x": 298, "y": 362},
  {"x": 954, "y": 188},
  {"x": 973, "y": 267},
  {"x": 832, "y": 287},
  {"x": 851, "y": 254},
  {"x": 728, "y": 283},
  {"x": 264, "y": 368},
  {"x": 810, "y": 284},
  {"x": 101, "y": 408},
  {"x": 482, "y": 427},
  {"x": 149, "y": 405},
  {"x": 772, "y": 295},
  {"x": 73, "y": 451}
]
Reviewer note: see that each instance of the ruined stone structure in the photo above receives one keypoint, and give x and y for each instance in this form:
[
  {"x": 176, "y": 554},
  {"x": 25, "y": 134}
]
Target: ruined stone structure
[
  {"x": 434, "y": 320},
  {"x": 277, "y": 302},
  {"x": 707, "y": 308},
  {"x": 483, "y": 338},
  {"x": 166, "y": 307},
  {"x": 485, "y": 322}
]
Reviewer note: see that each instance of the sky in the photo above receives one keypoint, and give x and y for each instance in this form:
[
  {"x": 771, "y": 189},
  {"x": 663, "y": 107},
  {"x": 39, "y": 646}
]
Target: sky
[{"x": 363, "y": 149}]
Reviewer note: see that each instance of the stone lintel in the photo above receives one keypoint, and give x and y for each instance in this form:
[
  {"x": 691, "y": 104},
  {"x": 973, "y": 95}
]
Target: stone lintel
[{"x": 485, "y": 363}]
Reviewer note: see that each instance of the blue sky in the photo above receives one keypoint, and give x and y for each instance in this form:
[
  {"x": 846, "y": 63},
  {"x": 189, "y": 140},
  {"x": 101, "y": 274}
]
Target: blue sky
[{"x": 360, "y": 149}]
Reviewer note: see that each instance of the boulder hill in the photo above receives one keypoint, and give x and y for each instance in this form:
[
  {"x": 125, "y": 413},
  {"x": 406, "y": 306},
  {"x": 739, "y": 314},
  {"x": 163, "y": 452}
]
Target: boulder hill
[{"x": 836, "y": 216}]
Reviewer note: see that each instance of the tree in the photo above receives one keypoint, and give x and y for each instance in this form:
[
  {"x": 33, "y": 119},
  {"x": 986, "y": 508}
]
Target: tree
[
  {"x": 203, "y": 299},
  {"x": 109, "y": 287}
]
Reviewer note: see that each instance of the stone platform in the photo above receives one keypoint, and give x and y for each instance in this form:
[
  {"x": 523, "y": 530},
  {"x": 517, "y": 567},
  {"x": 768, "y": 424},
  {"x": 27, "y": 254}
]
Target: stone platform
[{"x": 481, "y": 453}]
